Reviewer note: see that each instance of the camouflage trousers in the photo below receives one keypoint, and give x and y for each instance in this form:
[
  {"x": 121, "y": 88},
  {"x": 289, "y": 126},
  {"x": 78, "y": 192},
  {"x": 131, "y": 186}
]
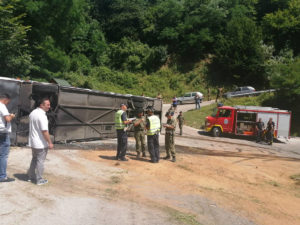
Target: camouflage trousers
[
  {"x": 140, "y": 141},
  {"x": 180, "y": 128},
  {"x": 170, "y": 144}
]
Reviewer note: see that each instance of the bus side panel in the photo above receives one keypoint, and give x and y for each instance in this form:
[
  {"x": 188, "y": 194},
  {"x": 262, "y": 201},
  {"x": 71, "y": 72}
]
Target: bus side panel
[
  {"x": 12, "y": 88},
  {"x": 284, "y": 125},
  {"x": 26, "y": 104},
  {"x": 85, "y": 115}
]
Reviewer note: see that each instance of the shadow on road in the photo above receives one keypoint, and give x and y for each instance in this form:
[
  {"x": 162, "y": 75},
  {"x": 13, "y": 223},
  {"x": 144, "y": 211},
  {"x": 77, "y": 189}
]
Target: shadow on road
[
  {"x": 237, "y": 137},
  {"x": 21, "y": 176},
  {"x": 219, "y": 153},
  {"x": 107, "y": 157}
]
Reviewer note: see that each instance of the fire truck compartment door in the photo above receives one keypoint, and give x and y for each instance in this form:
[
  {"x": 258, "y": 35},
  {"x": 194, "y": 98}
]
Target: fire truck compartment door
[{"x": 284, "y": 125}]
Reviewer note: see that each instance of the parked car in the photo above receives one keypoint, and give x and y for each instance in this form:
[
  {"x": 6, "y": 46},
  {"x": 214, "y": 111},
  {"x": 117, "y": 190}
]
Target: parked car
[
  {"x": 240, "y": 91},
  {"x": 189, "y": 97}
]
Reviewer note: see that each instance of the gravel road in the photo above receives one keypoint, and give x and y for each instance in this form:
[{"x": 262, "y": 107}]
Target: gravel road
[{"x": 216, "y": 181}]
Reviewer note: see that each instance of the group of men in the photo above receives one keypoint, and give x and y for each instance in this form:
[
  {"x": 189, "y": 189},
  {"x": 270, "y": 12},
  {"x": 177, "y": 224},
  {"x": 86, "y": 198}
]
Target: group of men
[
  {"x": 150, "y": 126},
  {"x": 268, "y": 133},
  {"x": 39, "y": 139}
]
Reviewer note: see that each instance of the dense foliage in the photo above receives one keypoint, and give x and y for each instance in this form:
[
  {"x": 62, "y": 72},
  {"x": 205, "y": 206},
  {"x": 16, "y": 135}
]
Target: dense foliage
[{"x": 151, "y": 46}]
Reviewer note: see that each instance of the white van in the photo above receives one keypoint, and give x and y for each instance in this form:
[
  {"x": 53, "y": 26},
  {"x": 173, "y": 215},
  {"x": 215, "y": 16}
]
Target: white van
[{"x": 189, "y": 97}]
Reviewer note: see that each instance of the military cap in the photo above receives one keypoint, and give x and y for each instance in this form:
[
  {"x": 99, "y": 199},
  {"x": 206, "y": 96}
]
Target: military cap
[
  {"x": 169, "y": 114},
  {"x": 150, "y": 109},
  {"x": 138, "y": 111}
]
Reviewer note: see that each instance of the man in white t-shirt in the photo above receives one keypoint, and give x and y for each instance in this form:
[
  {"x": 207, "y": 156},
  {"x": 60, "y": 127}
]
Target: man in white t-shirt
[
  {"x": 39, "y": 141},
  {"x": 5, "y": 129}
]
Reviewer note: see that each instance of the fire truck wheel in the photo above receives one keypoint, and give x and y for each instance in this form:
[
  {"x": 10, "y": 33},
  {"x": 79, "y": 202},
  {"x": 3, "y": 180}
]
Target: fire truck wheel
[{"x": 216, "y": 132}]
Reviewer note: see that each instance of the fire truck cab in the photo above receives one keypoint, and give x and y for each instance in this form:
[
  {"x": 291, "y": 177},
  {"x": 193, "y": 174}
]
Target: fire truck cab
[{"x": 242, "y": 120}]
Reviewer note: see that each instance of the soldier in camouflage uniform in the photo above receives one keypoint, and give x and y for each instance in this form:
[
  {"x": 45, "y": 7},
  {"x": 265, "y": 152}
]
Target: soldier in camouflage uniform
[
  {"x": 180, "y": 120},
  {"x": 139, "y": 134},
  {"x": 170, "y": 136}
]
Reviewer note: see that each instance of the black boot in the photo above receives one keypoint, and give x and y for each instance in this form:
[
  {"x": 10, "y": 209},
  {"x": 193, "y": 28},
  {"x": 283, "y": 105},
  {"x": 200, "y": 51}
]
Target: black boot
[
  {"x": 167, "y": 157},
  {"x": 144, "y": 154},
  {"x": 173, "y": 159}
]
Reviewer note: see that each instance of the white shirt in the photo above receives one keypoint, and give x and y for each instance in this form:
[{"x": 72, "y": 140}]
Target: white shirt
[
  {"x": 38, "y": 122},
  {"x": 5, "y": 127}
]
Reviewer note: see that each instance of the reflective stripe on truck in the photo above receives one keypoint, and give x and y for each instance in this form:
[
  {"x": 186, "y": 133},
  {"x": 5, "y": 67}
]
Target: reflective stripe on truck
[{"x": 208, "y": 129}]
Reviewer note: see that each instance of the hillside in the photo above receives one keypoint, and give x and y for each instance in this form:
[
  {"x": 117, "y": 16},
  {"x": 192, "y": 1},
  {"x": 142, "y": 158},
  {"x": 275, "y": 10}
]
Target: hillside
[{"x": 151, "y": 46}]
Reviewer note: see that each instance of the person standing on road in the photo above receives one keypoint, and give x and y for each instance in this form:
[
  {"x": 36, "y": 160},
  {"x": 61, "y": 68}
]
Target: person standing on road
[
  {"x": 180, "y": 120},
  {"x": 159, "y": 96},
  {"x": 270, "y": 131},
  {"x": 39, "y": 141},
  {"x": 219, "y": 93},
  {"x": 197, "y": 101},
  {"x": 174, "y": 103},
  {"x": 170, "y": 137},
  {"x": 153, "y": 129},
  {"x": 120, "y": 124},
  {"x": 139, "y": 134},
  {"x": 208, "y": 94},
  {"x": 5, "y": 129},
  {"x": 259, "y": 128}
]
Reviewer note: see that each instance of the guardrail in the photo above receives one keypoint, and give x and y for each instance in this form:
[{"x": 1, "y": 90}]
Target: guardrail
[{"x": 254, "y": 93}]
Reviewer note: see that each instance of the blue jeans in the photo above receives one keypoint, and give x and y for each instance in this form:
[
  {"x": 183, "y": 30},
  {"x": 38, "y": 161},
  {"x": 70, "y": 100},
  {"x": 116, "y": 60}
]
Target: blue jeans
[
  {"x": 4, "y": 151},
  {"x": 197, "y": 104}
]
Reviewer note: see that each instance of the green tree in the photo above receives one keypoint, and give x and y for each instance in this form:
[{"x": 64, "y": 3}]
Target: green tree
[
  {"x": 283, "y": 27},
  {"x": 121, "y": 18},
  {"x": 135, "y": 56},
  {"x": 60, "y": 30},
  {"x": 15, "y": 59},
  {"x": 203, "y": 21},
  {"x": 163, "y": 28},
  {"x": 239, "y": 55},
  {"x": 284, "y": 71},
  {"x": 285, "y": 77}
]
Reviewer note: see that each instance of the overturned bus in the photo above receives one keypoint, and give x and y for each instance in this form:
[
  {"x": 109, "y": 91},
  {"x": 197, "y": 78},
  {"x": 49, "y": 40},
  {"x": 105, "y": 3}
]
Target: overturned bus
[{"x": 75, "y": 114}]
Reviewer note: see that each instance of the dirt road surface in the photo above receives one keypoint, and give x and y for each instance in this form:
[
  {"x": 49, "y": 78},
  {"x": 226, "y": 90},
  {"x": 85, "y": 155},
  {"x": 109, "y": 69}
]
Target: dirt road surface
[{"x": 215, "y": 181}]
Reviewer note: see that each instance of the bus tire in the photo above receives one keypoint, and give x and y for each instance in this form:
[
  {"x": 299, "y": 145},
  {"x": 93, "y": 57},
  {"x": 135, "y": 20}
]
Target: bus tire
[{"x": 216, "y": 132}]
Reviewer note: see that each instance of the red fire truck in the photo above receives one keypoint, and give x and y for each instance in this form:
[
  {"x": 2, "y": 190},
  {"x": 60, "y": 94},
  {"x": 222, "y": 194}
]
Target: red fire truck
[{"x": 241, "y": 120}]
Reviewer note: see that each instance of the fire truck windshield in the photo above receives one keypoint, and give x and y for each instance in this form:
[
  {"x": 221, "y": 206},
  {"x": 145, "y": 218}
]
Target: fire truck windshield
[{"x": 214, "y": 113}]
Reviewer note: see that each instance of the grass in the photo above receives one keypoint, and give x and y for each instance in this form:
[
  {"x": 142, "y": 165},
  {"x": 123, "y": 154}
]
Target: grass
[
  {"x": 183, "y": 218},
  {"x": 273, "y": 183},
  {"x": 115, "y": 179},
  {"x": 295, "y": 177},
  {"x": 196, "y": 118}
]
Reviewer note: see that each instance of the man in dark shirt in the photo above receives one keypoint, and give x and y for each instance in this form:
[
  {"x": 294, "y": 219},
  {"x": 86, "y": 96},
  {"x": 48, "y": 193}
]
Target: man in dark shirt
[
  {"x": 120, "y": 123},
  {"x": 259, "y": 130},
  {"x": 270, "y": 131}
]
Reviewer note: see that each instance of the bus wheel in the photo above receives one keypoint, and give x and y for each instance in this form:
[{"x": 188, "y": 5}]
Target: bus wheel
[{"x": 216, "y": 132}]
